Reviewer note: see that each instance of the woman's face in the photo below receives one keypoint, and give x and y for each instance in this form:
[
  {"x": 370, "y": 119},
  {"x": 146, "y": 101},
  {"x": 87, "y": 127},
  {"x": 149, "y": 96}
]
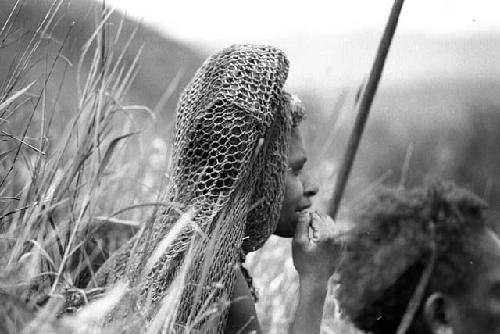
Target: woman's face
[{"x": 299, "y": 187}]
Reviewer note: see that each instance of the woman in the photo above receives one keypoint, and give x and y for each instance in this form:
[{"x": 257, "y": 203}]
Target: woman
[{"x": 238, "y": 171}]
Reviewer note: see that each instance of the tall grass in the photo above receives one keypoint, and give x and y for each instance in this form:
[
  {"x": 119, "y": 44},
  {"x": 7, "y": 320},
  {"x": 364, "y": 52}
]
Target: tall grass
[
  {"x": 60, "y": 186},
  {"x": 57, "y": 185}
]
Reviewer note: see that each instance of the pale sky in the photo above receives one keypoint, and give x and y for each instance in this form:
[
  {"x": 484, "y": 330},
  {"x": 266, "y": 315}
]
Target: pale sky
[
  {"x": 317, "y": 35},
  {"x": 225, "y": 21}
]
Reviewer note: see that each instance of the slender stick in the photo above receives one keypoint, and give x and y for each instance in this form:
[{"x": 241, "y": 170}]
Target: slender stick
[{"x": 364, "y": 107}]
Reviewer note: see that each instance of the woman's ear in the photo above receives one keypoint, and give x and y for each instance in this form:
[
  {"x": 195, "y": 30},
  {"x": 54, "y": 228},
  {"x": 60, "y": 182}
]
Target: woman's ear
[{"x": 437, "y": 313}]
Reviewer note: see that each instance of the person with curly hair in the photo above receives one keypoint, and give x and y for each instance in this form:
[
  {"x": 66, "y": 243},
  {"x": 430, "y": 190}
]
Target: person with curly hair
[{"x": 422, "y": 261}]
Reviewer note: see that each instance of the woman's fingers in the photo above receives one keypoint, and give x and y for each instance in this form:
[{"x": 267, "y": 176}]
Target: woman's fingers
[
  {"x": 315, "y": 230},
  {"x": 335, "y": 231},
  {"x": 322, "y": 227},
  {"x": 302, "y": 228},
  {"x": 315, "y": 248}
]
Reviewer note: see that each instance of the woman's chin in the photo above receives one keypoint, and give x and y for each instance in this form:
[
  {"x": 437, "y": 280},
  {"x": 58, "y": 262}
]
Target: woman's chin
[
  {"x": 284, "y": 234},
  {"x": 286, "y": 229}
]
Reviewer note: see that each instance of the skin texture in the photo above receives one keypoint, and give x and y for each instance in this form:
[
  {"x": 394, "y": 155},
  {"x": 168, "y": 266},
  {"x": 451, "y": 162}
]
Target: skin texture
[
  {"x": 299, "y": 188},
  {"x": 477, "y": 310},
  {"x": 314, "y": 261},
  {"x": 242, "y": 316}
]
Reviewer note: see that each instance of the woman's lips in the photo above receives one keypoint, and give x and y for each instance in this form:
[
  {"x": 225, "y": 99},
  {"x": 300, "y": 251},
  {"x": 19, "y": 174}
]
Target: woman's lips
[{"x": 302, "y": 208}]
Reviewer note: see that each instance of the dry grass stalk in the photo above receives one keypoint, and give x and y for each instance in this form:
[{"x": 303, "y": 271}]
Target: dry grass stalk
[{"x": 51, "y": 188}]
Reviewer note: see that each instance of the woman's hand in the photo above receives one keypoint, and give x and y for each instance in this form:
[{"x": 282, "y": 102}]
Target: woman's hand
[
  {"x": 316, "y": 250},
  {"x": 316, "y": 246}
]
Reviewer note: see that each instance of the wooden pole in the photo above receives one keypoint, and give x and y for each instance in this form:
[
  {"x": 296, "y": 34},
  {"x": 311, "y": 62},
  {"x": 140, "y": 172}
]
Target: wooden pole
[{"x": 364, "y": 107}]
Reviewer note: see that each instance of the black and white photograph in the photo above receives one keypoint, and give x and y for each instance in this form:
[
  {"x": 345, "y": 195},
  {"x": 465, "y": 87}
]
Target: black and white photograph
[{"x": 248, "y": 167}]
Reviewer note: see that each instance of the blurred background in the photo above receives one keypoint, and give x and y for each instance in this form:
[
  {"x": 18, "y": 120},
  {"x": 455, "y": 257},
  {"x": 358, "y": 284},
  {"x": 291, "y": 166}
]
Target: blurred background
[{"x": 437, "y": 111}]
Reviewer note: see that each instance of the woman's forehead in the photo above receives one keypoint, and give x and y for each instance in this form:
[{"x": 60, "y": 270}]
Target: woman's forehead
[{"x": 297, "y": 151}]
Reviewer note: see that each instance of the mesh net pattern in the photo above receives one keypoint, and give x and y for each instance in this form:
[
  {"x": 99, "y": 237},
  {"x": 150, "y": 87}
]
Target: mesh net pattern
[{"x": 233, "y": 126}]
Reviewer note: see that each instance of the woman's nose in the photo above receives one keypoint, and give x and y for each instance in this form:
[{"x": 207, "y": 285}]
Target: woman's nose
[{"x": 310, "y": 186}]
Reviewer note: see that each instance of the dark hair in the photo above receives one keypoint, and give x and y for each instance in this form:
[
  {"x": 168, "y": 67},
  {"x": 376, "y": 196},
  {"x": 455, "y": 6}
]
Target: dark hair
[{"x": 396, "y": 234}]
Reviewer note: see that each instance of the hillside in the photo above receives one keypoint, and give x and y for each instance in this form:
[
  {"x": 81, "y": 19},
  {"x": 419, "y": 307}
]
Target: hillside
[{"x": 161, "y": 61}]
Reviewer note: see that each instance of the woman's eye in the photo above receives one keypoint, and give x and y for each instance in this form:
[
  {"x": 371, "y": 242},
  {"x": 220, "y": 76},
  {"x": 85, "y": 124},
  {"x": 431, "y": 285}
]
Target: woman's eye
[{"x": 495, "y": 291}]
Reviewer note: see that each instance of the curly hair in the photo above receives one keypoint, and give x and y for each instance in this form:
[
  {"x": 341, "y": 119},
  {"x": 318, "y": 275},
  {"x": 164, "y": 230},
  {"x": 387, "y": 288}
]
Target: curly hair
[{"x": 396, "y": 234}]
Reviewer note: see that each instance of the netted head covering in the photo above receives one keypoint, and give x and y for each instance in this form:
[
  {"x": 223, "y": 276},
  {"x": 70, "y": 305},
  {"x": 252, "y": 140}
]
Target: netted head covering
[
  {"x": 233, "y": 121},
  {"x": 230, "y": 155}
]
